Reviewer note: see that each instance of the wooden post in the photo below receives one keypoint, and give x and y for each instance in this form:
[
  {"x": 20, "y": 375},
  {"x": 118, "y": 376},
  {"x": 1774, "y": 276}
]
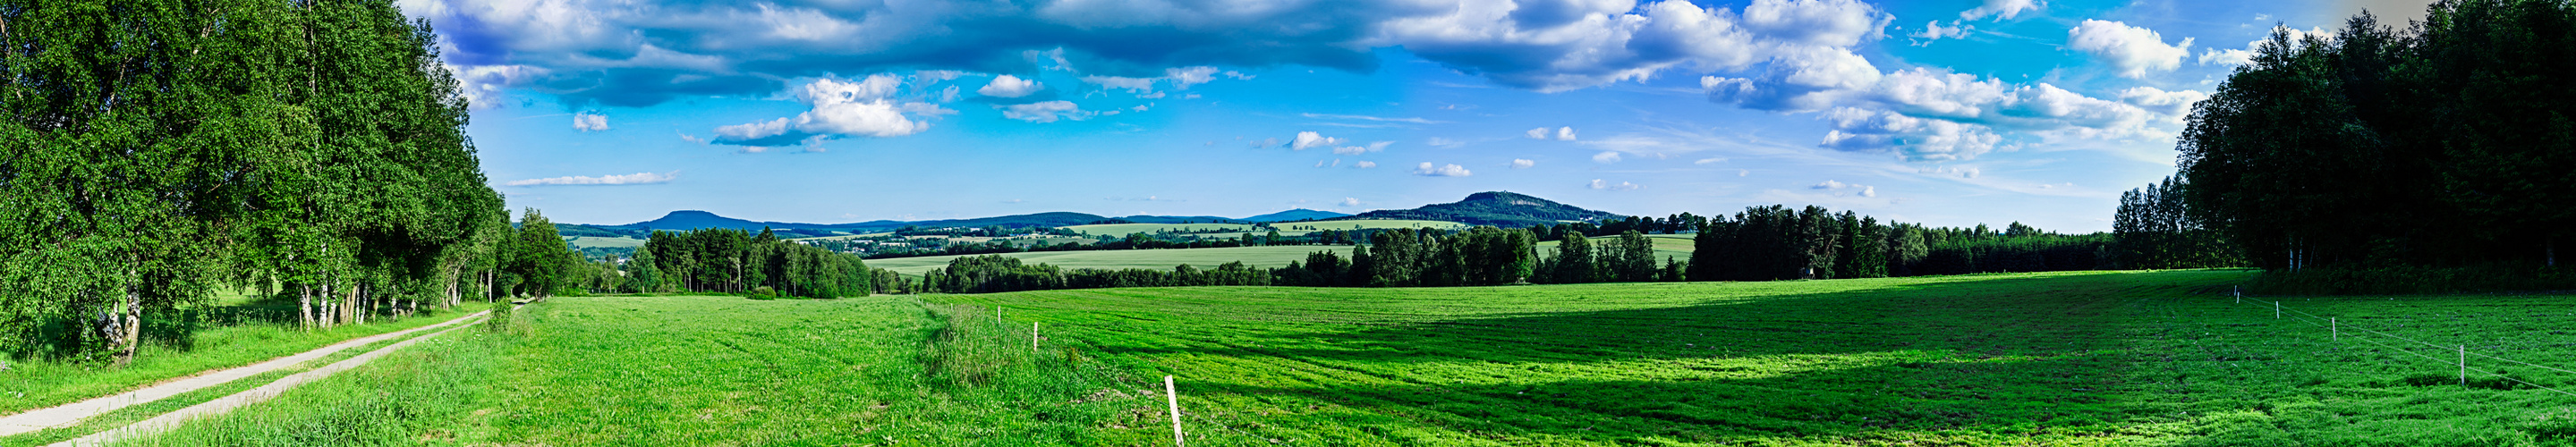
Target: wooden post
[
  {"x": 1033, "y": 337},
  {"x": 1173, "y": 395},
  {"x": 2240, "y": 294},
  {"x": 2276, "y": 310},
  {"x": 2464, "y": 365},
  {"x": 2337, "y": 327}
]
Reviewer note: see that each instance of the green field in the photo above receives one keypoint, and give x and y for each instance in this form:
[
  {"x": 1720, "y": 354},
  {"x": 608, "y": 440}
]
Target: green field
[
  {"x": 1233, "y": 230},
  {"x": 1237, "y": 230},
  {"x": 2074, "y": 358},
  {"x": 604, "y": 242},
  {"x": 1203, "y": 258}
]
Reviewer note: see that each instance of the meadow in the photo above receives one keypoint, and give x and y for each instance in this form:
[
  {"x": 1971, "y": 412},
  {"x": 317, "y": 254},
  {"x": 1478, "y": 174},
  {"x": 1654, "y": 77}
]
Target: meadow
[
  {"x": 1160, "y": 259},
  {"x": 1285, "y": 228},
  {"x": 2071, "y": 358},
  {"x": 1672, "y": 246}
]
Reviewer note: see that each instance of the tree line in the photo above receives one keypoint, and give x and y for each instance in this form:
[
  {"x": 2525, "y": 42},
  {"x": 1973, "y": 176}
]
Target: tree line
[
  {"x": 735, "y": 261},
  {"x": 1762, "y": 243},
  {"x": 2447, "y": 144},
  {"x": 156, "y": 151}
]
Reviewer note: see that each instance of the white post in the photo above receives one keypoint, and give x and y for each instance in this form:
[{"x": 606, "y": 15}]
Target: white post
[
  {"x": 2276, "y": 310},
  {"x": 2337, "y": 327},
  {"x": 2239, "y": 291},
  {"x": 2464, "y": 365},
  {"x": 1174, "y": 396},
  {"x": 1033, "y": 337}
]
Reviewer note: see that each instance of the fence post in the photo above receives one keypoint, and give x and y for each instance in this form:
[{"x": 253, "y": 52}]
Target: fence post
[
  {"x": 2240, "y": 294},
  {"x": 1033, "y": 337},
  {"x": 1173, "y": 395},
  {"x": 2337, "y": 327},
  {"x": 2276, "y": 310},
  {"x": 2464, "y": 365}
]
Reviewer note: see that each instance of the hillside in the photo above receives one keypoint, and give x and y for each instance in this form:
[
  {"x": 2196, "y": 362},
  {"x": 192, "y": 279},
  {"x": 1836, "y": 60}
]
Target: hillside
[
  {"x": 1295, "y": 214},
  {"x": 1497, "y": 208}
]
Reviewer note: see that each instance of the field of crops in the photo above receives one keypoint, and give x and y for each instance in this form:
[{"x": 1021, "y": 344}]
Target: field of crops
[
  {"x": 2032, "y": 359},
  {"x": 1203, "y": 258}
]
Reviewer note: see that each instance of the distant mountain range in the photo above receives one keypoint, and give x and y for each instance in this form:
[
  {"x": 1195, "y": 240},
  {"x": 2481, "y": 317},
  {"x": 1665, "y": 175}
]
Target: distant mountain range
[{"x": 1498, "y": 208}]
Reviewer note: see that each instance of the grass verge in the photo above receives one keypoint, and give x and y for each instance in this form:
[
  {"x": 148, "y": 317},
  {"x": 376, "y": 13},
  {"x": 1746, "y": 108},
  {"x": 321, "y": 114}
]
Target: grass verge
[{"x": 39, "y": 384}]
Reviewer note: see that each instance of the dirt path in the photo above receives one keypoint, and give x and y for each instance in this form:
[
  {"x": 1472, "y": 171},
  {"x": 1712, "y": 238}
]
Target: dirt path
[
  {"x": 225, "y": 404},
  {"x": 73, "y": 413}
]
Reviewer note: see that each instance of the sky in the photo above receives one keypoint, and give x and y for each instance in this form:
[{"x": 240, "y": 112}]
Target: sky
[{"x": 1945, "y": 112}]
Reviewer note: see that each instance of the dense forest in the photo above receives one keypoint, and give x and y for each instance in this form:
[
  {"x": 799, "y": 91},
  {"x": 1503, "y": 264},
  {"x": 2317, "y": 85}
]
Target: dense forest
[
  {"x": 2433, "y": 150},
  {"x": 732, "y": 261},
  {"x": 154, "y": 152}
]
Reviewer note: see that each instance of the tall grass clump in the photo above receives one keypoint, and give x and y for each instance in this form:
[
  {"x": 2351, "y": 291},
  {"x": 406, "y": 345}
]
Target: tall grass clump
[{"x": 981, "y": 368}]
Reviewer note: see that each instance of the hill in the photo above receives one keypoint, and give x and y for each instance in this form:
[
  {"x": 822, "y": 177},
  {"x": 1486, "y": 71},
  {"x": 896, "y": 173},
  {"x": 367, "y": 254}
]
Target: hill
[
  {"x": 1295, "y": 214},
  {"x": 1498, "y": 208}
]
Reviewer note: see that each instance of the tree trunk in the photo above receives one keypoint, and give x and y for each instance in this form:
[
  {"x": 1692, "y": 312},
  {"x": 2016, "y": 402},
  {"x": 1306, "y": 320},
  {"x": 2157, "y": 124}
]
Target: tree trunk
[
  {"x": 304, "y": 305},
  {"x": 132, "y": 330}
]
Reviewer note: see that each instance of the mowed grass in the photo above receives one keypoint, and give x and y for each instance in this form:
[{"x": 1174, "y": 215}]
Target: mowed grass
[
  {"x": 883, "y": 370},
  {"x": 2081, "y": 358},
  {"x": 238, "y": 333},
  {"x": 1164, "y": 259}
]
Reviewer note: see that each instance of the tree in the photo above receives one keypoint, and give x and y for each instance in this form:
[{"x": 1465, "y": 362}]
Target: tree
[{"x": 1574, "y": 262}]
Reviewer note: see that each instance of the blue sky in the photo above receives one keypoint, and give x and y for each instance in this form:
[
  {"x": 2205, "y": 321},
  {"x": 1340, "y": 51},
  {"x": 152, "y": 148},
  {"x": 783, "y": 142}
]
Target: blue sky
[{"x": 1949, "y": 113}]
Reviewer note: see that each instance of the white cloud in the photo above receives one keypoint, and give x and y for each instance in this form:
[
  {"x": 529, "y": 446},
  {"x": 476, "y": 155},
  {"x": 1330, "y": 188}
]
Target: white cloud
[
  {"x": 1426, "y": 169},
  {"x": 1840, "y": 189},
  {"x": 692, "y": 139},
  {"x": 1539, "y": 133},
  {"x": 1621, "y": 186},
  {"x": 1183, "y": 78},
  {"x": 1934, "y": 31},
  {"x": 1350, "y": 202},
  {"x": 1365, "y": 164},
  {"x": 1443, "y": 142},
  {"x": 1355, "y": 150},
  {"x": 2230, "y": 56},
  {"x": 1743, "y": 172},
  {"x": 1710, "y": 160},
  {"x": 1869, "y": 191},
  {"x": 752, "y": 131},
  {"x": 1310, "y": 140},
  {"x": 1960, "y": 109},
  {"x": 1045, "y": 112},
  {"x": 1565, "y": 133},
  {"x": 640, "y": 178},
  {"x": 1829, "y": 184},
  {"x": 2173, "y": 104},
  {"x": 1910, "y": 137},
  {"x": 861, "y": 108},
  {"x": 1523, "y": 163},
  {"x": 1007, "y": 86},
  {"x": 1606, "y": 157},
  {"x": 1135, "y": 85},
  {"x": 1999, "y": 9},
  {"x": 586, "y": 121},
  {"x": 1415, "y": 120},
  {"x": 2134, "y": 51}
]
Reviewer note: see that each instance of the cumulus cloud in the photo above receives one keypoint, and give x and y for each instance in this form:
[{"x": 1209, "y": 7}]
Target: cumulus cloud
[
  {"x": 640, "y": 178},
  {"x": 1045, "y": 112},
  {"x": 1310, "y": 140},
  {"x": 1606, "y": 157},
  {"x": 1999, "y": 9},
  {"x": 1621, "y": 186},
  {"x": 638, "y": 54},
  {"x": 1349, "y": 202},
  {"x": 1427, "y": 170},
  {"x": 2174, "y": 103},
  {"x": 1955, "y": 113},
  {"x": 1539, "y": 133},
  {"x": 2231, "y": 56},
  {"x": 1007, "y": 86},
  {"x": 1840, "y": 189},
  {"x": 586, "y": 121},
  {"x": 1565, "y": 133},
  {"x": 861, "y": 108},
  {"x": 1523, "y": 163},
  {"x": 1710, "y": 160},
  {"x": 1933, "y": 31},
  {"x": 2132, "y": 50}
]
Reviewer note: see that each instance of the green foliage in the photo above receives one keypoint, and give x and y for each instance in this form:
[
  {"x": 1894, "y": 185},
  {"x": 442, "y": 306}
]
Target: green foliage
[
  {"x": 2445, "y": 144},
  {"x": 734, "y": 261},
  {"x": 157, "y": 149}
]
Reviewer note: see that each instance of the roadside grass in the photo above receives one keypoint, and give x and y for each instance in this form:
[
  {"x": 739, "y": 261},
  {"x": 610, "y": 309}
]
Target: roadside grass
[
  {"x": 238, "y": 334},
  {"x": 1163, "y": 259},
  {"x": 2073, "y": 358},
  {"x": 710, "y": 371},
  {"x": 137, "y": 413}
]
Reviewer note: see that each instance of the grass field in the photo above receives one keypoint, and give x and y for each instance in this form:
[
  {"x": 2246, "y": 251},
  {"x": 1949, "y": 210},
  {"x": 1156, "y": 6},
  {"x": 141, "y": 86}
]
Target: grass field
[
  {"x": 710, "y": 371},
  {"x": 605, "y": 242},
  {"x": 1203, "y": 258},
  {"x": 239, "y": 333},
  {"x": 2076, "y": 358},
  {"x": 1232, "y": 230},
  {"x": 1237, "y": 230}
]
